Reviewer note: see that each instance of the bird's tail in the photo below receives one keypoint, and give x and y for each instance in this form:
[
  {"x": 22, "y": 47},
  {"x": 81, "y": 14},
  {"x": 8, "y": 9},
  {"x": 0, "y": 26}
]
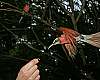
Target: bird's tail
[{"x": 93, "y": 39}]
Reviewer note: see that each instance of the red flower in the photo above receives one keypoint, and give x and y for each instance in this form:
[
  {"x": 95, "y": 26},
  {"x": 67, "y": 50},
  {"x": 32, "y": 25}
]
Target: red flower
[
  {"x": 26, "y": 8},
  {"x": 68, "y": 39},
  {"x": 63, "y": 39},
  {"x": 69, "y": 31}
]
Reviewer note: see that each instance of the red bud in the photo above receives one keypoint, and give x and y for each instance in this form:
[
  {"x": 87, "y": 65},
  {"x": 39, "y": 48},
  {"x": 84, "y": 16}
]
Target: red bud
[{"x": 26, "y": 7}]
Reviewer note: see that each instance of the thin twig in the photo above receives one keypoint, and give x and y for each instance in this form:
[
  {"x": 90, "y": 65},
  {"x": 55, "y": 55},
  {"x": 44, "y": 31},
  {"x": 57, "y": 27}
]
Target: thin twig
[
  {"x": 32, "y": 47},
  {"x": 69, "y": 13},
  {"x": 74, "y": 22},
  {"x": 26, "y": 43},
  {"x": 45, "y": 22},
  {"x": 37, "y": 38},
  {"x": 80, "y": 13},
  {"x": 71, "y": 5},
  {"x": 9, "y": 56},
  {"x": 44, "y": 12},
  {"x": 7, "y": 20},
  {"x": 18, "y": 29},
  {"x": 18, "y": 39},
  {"x": 14, "y": 10},
  {"x": 9, "y": 9},
  {"x": 73, "y": 15},
  {"x": 9, "y": 4},
  {"x": 9, "y": 31}
]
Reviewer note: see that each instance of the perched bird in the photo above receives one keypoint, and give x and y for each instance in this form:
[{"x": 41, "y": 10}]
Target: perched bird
[{"x": 69, "y": 38}]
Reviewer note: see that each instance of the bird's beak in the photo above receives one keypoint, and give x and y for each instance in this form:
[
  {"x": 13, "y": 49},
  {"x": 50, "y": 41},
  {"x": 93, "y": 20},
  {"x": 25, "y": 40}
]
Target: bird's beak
[{"x": 55, "y": 42}]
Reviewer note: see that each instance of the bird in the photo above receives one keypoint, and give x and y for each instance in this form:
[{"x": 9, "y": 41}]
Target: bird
[{"x": 70, "y": 38}]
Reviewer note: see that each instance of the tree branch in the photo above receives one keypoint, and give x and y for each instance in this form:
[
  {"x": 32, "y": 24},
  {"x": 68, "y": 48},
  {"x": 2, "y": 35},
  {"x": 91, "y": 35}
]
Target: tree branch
[
  {"x": 14, "y": 10},
  {"x": 9, "y": 4},
  {"x": 71, "y": 3},
  {"x": 69, "y": 13},
  {"x": 38, "y": 40},
  {"x": 80, "y": 13},
  {"x": 16, "y": 37},
  {"x": 8, "y": 56},
  {"x": 46, "y": 5},
  {"x": 73, "y": 16}
]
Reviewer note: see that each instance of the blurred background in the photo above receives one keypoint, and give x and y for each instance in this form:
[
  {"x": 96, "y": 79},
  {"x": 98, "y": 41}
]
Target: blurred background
[{"x": 28, "y": 27}]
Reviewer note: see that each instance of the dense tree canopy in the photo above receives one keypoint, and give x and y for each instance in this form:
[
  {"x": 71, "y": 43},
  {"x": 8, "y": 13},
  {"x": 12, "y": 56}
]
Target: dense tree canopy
[{"x": 28, "y": 27}]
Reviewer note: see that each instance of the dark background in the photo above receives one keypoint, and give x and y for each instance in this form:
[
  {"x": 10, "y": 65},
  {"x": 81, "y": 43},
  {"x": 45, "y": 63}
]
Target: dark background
[{"x": 37, "y": 29}]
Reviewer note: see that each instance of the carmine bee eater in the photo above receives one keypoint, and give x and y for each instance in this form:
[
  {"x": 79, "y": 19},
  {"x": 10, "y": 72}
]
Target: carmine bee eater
[{"x": 69, "y": 38}]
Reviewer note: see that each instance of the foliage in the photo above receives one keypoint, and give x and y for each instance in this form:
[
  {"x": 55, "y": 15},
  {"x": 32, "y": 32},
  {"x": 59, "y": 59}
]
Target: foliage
[{"x": 27, "y": 35}]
